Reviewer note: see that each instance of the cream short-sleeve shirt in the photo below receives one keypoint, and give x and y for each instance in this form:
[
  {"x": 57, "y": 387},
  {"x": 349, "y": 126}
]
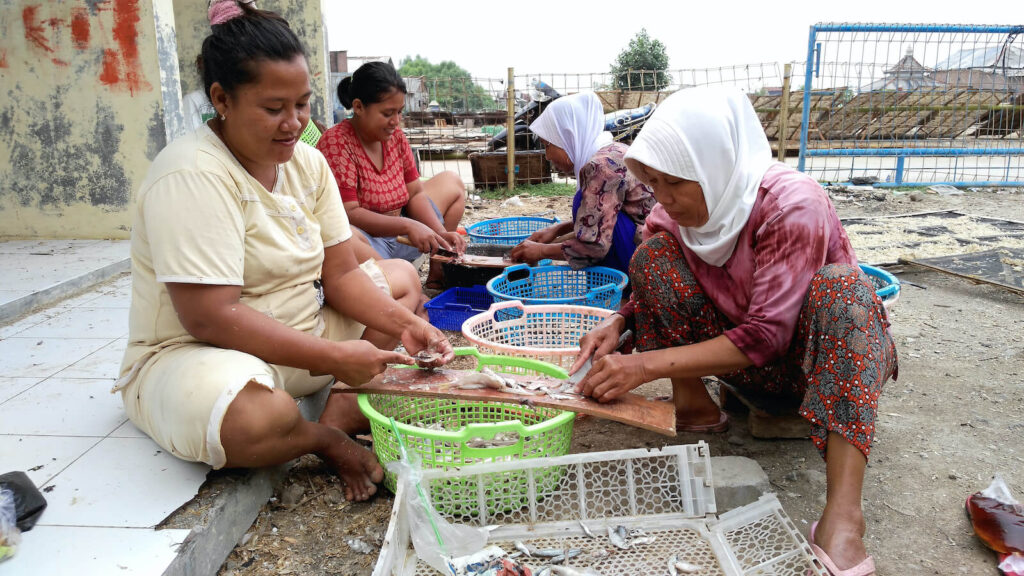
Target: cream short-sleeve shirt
[{"x": 201, "y": 218}]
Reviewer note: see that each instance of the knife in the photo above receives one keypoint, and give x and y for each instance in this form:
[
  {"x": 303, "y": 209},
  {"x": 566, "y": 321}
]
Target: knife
[
  {"x": 440, "y": 251},
  {"x": 580, "y": 374}
]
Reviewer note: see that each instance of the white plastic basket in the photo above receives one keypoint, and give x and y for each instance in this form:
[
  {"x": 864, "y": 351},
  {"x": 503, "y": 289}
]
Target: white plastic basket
[
  {"x": 548, "y": 332},
  {"x": 666, "y": 492}
]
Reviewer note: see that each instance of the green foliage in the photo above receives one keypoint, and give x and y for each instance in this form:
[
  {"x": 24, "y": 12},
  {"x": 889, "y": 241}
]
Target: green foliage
[
  {"x": 449, "y": 84},
  {"x": 642, "y": 65},
  {"x": 549, "y": 189}
]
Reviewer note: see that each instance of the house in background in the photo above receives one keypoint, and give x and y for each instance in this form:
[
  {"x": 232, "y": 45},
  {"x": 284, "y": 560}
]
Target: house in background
[{"x": 343, "y": 65}]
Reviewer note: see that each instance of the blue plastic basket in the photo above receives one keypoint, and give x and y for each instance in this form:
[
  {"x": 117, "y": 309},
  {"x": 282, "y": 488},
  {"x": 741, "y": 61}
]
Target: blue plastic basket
[
  {"x": 546, "y": 284},
  {"x": 449, "y": 309},
  {"x": 507, "y": 230},
  {"x": 887, "y": 286}
]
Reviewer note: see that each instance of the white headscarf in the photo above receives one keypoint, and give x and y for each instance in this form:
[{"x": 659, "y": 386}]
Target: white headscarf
[
  {"x": 710, "y": 135},
  {"x": 575, "y": 124}
]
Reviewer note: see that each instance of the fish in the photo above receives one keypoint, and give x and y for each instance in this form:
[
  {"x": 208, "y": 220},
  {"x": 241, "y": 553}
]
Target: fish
[
  {"x": 567, "y": 571},
  {"x": 587, "y": 530},
  {"x": 617, "y": 536},
  {"x": 686, "y": 567}
]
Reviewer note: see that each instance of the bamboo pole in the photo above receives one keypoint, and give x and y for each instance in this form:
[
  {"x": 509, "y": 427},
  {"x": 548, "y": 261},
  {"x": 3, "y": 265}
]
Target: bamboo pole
[
  {"x": 510, "y": 130},
  {"x": 784, "y": 113}
]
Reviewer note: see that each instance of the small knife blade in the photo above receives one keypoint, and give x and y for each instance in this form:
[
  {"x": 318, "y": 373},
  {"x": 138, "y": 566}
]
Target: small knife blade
[{"x": 580, "y": 374}]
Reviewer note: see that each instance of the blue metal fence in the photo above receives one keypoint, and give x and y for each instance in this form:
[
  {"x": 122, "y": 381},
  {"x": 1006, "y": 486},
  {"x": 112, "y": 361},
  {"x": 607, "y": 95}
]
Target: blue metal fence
[{"x": 914, "y": 104}]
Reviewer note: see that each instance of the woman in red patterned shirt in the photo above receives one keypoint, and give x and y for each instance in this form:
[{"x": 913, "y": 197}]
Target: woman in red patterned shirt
[{"x": 376, "y": 172}]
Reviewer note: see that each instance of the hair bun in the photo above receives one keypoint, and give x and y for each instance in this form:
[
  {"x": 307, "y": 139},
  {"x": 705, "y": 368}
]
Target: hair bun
[{"x": 222, "y": 11}]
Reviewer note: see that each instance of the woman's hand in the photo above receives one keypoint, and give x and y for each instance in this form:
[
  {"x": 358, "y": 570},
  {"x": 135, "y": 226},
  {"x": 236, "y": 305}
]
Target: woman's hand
[
  {"x": 359, "y": 361},
  {"x": 527, "y": 251},
  {"x": 423, "y": 238},
  {"x": 545, "y": 235},
  {"x": 612, "y": 376},
  {"x": 422, "y": 336},
  {"x": 456, "y": 241},
  {"x": 602, "y": 340}
]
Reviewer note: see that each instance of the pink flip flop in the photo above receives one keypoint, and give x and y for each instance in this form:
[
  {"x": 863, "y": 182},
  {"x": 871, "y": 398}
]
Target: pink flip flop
[
  {"x": 865, "y": 568},
  {"x": 717, "y": 428}
]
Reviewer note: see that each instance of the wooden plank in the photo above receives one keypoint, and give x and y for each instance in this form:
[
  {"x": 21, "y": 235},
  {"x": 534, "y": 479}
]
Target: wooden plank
[
  {"x": 999, "y": 266},
  {"x": 631, "y": 409},
  {"x": 475, "y": 261}
]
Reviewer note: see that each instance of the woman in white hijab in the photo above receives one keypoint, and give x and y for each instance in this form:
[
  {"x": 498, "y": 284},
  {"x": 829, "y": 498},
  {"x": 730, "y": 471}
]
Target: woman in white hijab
[
  {"x": 748, "y": 275},
  {"x": 610, "y": 203}
]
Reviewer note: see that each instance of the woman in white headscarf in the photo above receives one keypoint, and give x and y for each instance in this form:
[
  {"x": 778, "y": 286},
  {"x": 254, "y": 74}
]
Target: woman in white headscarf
[
  {"x": 747, "y": 274},
  {"x": 610, "y": 203}
]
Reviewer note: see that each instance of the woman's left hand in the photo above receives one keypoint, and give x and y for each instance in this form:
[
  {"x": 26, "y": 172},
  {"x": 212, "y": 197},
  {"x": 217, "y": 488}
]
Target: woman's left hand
[
  {"x": 527, "y": 251},
  {"x": 422, "y": 336},
  {"x": 456, "y": 241},
  {"x": 614, "y": 375}
]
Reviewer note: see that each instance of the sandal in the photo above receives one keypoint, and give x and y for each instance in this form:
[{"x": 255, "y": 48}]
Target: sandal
[
  {"x": 865, "y": 568},
  {"x": 717, "y": 428}
]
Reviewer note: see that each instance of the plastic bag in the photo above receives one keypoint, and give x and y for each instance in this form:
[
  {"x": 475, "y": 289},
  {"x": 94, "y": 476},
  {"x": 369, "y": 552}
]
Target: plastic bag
[
  {"x": 435, "y": 539},
  {"x": 998, "y": 520},
  {"x": 10, "y": 536}
]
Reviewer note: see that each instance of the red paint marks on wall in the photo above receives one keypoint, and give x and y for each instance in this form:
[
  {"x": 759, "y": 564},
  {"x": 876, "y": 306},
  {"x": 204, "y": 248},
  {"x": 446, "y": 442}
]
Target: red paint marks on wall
[
  {"x": 34, "y": 31},
  {"x": 3, "y": 59},
  {"x": 110, "y": 75},
  {"x": 126, "y": 33},
  {"x": 80, "y": 28}
]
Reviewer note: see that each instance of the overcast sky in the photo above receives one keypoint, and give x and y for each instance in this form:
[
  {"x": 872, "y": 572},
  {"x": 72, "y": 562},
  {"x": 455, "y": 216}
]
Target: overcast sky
[{"x": 584, "y": 36}]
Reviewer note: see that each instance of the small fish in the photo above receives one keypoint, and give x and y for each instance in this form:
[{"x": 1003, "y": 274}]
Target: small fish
[
  {"x": 686, "y": 567},
  {"x": 475, "y": 380},
  {"x": 617, "y": 536},
  {"x": 419, "y": 387},
  {"x": 522, "y": 548},
  {"x": 567, "y": 571},
  {"x": 568, "y": 555},
  {"x": 642, "y": 540},
  {"x": 598, "y": 553},
  {"x": 587, "y": 530},
  {"x": 672, "y": 570}
]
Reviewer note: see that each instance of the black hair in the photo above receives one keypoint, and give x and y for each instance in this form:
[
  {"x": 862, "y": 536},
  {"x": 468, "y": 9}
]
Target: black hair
[
  {"x": 233, "y": 48},
  {"x": 370, "y": 83}
]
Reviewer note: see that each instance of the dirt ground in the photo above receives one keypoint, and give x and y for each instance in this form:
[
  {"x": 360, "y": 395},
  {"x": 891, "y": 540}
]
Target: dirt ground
[{"x": 950, "y": 422}]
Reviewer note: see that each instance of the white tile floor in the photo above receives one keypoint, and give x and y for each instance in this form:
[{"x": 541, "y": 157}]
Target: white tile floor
[{"x": 106, "y": 484}]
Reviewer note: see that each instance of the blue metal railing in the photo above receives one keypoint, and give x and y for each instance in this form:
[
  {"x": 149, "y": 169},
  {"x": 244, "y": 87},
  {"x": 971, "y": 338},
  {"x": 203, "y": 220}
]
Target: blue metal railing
[{"x": 813, "y": 70}]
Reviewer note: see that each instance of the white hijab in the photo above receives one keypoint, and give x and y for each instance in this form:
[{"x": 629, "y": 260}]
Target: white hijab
[
  {"x": 575, "y": 124},
  {"x": 710, "y": 135}
]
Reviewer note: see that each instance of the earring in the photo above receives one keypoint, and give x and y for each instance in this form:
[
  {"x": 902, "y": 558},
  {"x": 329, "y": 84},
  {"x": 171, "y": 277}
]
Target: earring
[{"x": 222, "y": 118}]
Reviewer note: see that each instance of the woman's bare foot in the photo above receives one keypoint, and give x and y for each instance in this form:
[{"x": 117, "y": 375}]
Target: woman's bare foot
[
  {"x": 356, "y": 466},
  {"x": 342, "y": 412},
  {"x": 842, "y": 538}
]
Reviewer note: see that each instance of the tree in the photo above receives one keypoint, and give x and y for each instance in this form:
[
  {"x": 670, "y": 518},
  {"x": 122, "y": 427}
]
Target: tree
[
  {"x": 450, "y": 85},
  {"x": 642, "y": 65}
]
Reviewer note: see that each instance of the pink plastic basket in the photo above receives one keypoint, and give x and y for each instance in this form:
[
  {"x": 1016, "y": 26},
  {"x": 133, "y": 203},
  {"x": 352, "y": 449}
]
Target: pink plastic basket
[{"x": 548, "y": 332}]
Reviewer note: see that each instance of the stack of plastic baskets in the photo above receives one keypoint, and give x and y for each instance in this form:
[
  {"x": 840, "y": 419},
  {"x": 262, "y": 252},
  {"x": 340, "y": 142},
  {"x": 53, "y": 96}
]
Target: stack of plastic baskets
[
  {"x": 507, "y": 230},
  {"x": 448, "y": 433},
  {"x": 546, "y": 284},
  {"x": 887, "y": 286},
  {"x": 550, "y": 332},
  {"x": 449, "y": 309}
]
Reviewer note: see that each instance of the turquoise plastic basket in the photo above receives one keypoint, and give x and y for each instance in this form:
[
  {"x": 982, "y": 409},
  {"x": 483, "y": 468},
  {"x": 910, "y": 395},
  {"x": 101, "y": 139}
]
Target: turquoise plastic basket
[
  {"x": 546, "y": 284},
  {"x": 887, "y": 286},
  {"x": 507, "y": 230}
]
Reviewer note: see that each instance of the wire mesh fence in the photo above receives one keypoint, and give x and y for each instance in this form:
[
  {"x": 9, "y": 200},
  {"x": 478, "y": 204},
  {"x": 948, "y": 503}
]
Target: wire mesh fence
[
  {"x": 898, "y": 104},
  {"x": 913, "y": 104}
]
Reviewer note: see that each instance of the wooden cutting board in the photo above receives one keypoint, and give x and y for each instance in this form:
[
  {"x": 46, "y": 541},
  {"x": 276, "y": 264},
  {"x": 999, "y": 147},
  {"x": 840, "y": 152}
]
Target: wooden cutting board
[
  {"x": 475, "y": 261},
  {"x": 632, "y": 409}
]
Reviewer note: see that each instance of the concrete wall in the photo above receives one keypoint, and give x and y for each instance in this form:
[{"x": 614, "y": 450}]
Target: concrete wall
[
  {"x": 304, "y": 17},
  {"x": 81, "y": 114},
  {"x": 90, "y": 92}
]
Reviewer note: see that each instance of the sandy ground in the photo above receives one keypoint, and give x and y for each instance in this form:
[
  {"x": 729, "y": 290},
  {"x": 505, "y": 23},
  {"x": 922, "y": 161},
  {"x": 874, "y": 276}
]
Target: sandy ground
[{"x": 949, "y": 423}]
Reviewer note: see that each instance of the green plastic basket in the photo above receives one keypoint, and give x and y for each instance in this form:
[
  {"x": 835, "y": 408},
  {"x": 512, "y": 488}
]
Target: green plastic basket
[
  {"x": 311, "y": 135},
  {"x": 439, "y": 429}
]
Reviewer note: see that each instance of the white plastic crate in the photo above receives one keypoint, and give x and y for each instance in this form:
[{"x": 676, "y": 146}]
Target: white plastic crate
[{"x": 667, "y": 492}]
